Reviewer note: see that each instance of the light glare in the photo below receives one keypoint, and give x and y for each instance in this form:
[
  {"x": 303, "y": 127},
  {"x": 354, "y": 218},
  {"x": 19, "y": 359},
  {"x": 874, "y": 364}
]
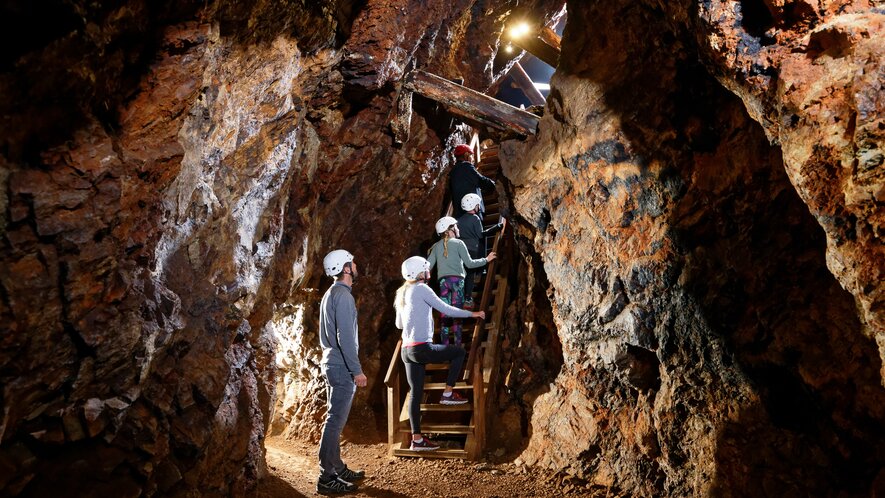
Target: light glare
[{"x": 519, "y": 30}]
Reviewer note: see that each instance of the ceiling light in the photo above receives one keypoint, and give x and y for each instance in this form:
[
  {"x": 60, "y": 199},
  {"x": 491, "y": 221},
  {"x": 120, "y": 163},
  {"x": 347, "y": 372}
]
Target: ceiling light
[{"x": 519, "y": 30}]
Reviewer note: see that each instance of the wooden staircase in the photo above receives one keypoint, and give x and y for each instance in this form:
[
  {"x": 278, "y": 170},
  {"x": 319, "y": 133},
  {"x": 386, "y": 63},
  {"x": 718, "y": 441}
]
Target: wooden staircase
[{"x": 460, "y": 430}]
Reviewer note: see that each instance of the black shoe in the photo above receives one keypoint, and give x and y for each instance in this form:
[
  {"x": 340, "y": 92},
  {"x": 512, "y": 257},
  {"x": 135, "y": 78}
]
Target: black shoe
[
  {"x": 352, "y": 475},
  {"x": 334, "y": 485}
]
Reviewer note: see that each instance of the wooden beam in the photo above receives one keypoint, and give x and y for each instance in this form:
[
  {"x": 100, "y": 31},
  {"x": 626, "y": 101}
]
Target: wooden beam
[
  {"x": 402, "y": 120},
  {"x": 544, "y": 44},
  {"x": 473, "y": 120},
  {"x": 525, "y": 83},
  {"x": 471, "y": 103},
  {"x": 550, "y": 37}
]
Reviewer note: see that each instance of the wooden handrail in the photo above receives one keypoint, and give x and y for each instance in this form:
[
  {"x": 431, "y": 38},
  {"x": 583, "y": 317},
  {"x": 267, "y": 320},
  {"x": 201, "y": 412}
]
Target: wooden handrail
[
  {"x": 484, "y": 302},
  {"x": 393, "y": 368}
]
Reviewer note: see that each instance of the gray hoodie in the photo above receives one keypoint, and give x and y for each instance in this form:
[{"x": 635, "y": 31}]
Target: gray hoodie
[{"x": 339, "y": 335}]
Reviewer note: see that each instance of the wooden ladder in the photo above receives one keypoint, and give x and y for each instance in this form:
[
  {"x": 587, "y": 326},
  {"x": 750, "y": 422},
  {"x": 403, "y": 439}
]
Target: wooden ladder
[{"x": 459, "y": 429}]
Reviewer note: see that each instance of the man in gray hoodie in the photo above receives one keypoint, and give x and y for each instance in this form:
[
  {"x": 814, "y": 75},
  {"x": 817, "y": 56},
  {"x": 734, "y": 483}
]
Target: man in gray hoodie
[{"x": 339, "y": 339}]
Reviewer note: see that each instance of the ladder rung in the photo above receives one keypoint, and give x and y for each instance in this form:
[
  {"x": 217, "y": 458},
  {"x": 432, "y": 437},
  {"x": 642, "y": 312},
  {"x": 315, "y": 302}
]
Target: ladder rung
[
  {"x": 441, "y": 429},
  {"x": 439, "y": 386},
  {"x": 466, "y": 407},
  {"x": 430, "y": 454}
]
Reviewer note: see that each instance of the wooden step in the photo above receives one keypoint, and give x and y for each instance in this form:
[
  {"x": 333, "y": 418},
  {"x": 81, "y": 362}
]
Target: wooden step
[
  {"x": 439, "y": 386},
  {"x": 442, "y": 429},
  {"x": 432, "y": 407},
  {"x": 436, "y": 366},
  {"x": 466, "y": 407},
  {"x": 440, "y": 453}
]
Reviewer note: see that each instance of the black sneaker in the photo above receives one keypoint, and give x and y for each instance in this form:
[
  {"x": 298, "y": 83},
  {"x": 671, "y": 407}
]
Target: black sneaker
[
  {"x": 352, "y": 475},
  {"x": 424, "y": 445},
  {"x": 334, "y": 485}
]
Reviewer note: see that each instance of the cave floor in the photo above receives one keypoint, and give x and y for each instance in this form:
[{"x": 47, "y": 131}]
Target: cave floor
[{"x": 292, "y": 473}]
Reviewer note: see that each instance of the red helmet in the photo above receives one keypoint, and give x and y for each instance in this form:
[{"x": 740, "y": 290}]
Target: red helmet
[{"x": 462, "y": 149}]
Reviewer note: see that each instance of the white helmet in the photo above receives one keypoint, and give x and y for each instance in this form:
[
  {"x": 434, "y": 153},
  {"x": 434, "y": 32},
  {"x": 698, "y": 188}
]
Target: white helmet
[
  {"x": 445, "y": 223},
  {"x": 414, "y": 266},
  {"x": 334, "y": 262},
  {"x": 470, "y": 201}
]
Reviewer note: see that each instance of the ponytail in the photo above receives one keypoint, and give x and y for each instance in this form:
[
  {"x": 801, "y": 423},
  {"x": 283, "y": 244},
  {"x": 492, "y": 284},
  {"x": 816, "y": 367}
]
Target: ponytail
[
  {"x": 446, "y": 244},
  {"x": 399, "y": 301}
]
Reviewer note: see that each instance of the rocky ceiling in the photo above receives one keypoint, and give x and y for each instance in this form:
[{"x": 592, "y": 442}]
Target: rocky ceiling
[{"x": 699, "y": 304}]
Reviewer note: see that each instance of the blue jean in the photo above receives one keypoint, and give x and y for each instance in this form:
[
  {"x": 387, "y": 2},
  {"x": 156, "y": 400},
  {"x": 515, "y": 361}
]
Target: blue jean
[{"x": 340, "y": 389}]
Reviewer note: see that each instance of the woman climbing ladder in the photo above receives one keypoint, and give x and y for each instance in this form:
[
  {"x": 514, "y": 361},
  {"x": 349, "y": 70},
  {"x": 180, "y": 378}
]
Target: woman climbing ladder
[
  {"x": 413, "y": 303},
  {"x": 450, "y": 255}
]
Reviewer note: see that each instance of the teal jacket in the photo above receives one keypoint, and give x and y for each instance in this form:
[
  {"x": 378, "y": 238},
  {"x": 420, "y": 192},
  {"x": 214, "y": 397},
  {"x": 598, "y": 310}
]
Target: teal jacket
[{"x": 453, "y": 265}]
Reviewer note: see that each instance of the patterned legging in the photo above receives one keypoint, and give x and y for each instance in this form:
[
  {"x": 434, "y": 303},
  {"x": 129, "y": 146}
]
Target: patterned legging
[{"x": 451, "y": 291}]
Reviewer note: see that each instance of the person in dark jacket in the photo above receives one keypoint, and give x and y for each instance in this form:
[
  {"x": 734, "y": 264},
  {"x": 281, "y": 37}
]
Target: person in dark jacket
[
  {"x": 474, "y": 237},
  {"x": 465, "y": 179}
]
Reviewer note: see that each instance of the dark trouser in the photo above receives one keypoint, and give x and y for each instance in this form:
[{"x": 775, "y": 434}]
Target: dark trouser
[
  {"x": 470, "y": 279},
  {"x": 340, "y": 389},
  {"x": 415, "y": 357}
]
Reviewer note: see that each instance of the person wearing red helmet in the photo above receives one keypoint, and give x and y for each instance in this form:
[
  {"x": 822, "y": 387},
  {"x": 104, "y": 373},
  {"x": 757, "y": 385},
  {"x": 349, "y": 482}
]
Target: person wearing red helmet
[{"x": 465, "y": 179}]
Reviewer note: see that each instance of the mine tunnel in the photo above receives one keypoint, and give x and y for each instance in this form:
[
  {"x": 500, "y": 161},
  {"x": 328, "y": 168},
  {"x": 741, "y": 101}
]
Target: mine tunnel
[{"x": 687, "y": 298}]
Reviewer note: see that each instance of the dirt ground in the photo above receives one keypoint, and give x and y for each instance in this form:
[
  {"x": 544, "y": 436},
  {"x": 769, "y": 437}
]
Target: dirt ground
[{"x": 293, "y": 471}]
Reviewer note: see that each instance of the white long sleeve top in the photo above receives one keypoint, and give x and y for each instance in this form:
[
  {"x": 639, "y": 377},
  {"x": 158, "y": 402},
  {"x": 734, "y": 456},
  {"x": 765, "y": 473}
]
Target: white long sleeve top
[{"x": 416, "y": 317}]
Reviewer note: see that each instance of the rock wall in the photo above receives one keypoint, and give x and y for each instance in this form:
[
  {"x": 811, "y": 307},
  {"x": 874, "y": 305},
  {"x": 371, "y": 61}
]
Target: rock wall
[
  {"x": 172, "y": 175},
  {"x": 707, "y": 348},
  {"x": 140, "y": 231}
]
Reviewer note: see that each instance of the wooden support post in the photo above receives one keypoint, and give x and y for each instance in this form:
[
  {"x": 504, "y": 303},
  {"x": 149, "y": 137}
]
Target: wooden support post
[
  {"x": 525, "y": 83},
  {"x": 472, "y": 104},
  {"x": 477, "y": 150},
  {"x": 550, "y": 37},
  {"x": 393, "y": 404},
  {"x": 479, "y": 412},
  {"x": 402, "y": 120},
  {"x": 545, "y": 45},
  {"x": 394, "y": 398}
]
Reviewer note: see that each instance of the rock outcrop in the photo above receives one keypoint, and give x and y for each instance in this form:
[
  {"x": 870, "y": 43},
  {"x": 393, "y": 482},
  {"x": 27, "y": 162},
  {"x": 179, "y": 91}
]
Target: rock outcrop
[
  {"x": 706, "y": 347},
  {"x": 813, "y": 74}
]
